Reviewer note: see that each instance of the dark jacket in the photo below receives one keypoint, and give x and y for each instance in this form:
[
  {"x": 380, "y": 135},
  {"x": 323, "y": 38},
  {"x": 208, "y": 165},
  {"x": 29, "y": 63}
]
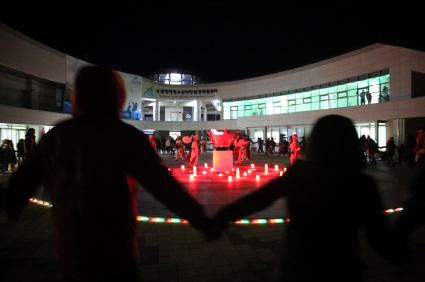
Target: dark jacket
[
  {"x": 94, "y": 193},
  {"x": 29, "y": 142},
  {"x": 324, "y": 220}
]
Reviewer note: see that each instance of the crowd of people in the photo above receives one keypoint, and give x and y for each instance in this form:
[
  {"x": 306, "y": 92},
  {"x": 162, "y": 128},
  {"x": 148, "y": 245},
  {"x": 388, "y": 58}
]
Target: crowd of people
[
  {"x": 94, "y": 242},
  {"x": 9, "y": 157}
]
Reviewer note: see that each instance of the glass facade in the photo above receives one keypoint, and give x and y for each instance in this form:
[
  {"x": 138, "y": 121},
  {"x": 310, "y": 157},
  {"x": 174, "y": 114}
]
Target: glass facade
[
  {"x": 175, "y": 78},
  {"x": 338, "y": 96}
]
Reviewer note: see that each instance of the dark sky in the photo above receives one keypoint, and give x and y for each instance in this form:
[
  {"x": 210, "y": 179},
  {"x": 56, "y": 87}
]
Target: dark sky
[{"x": 221, "y": 41}]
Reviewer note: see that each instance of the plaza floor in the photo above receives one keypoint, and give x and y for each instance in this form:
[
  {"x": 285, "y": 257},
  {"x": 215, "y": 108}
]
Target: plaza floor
[{"x": 177, "y": 252}]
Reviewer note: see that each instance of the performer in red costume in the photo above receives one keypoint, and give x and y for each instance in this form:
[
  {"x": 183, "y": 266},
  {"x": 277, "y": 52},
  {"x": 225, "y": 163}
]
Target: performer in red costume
[
  {"x": 179, "y": 148},
  {"x": 239, "y": 142},
  {"x": 295, "y": 148}
]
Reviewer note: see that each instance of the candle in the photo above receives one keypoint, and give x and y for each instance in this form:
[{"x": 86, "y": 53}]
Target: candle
[
  {"x": 194, "y": 171},
  {"x": 191, "y": 177},
  {"x": 183, "y": 167},
  {"x": 266, "y": 172},
  {"x": 204, "y": 172},
  {"x": 230, "y": 178},
  {"x": 276, "y": 167},
  {"x": 284, "y": 169},
  {"x": 206, "y": 165},
  {"x": 249, "y": 171},
  {"x": 220, "y": 175},
  {"x": 169, "y": 169},
  {"x": 266, "y": 166},
  {"x": 237, "y": 173},
  {"x": 245, "y": 174},
  {"x": 257, "y": 177},
  {"x": 211, "y": 169},
  {"x": 252, "y": 165},
  {"x": 281, "y": 173}
]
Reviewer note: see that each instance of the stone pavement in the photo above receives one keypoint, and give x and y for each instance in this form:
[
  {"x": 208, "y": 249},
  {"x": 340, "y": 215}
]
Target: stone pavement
[{"x": 177, "y": 252}]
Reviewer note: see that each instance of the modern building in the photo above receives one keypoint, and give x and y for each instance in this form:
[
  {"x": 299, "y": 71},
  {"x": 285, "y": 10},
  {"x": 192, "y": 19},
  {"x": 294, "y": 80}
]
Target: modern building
[{"x": 380, "y": 87}]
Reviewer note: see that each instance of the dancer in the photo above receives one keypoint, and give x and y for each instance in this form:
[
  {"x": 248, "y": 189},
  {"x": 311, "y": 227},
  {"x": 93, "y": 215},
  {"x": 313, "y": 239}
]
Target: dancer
[
  {"x": 294, "y": 148},
  {"x": 238, "y": 143},
  {"x": 179, "y": 148},
  {"x": 192, "y": 158}
]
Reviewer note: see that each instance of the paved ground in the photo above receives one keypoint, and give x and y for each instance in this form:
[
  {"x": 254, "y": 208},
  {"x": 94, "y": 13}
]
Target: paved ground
[{"x": 177, "y": 252}]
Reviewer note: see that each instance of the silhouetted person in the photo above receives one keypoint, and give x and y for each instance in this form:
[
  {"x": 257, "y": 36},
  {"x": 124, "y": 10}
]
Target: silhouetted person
[
  {"x": 321, "y": 241},
  {"x": 30, "y": 143},
  {"x": 93, "y": 189}
]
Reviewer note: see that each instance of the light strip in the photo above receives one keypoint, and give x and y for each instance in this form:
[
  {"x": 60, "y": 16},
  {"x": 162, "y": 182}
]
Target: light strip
[{"x": 178, "y": 220}]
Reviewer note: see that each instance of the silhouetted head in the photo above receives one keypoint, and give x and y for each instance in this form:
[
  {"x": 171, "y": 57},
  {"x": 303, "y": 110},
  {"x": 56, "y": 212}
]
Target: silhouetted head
[
  {"x": 342, "y": 151},
  {"x": 98, "y": 91},
  {"x": 31, "y": 131}
]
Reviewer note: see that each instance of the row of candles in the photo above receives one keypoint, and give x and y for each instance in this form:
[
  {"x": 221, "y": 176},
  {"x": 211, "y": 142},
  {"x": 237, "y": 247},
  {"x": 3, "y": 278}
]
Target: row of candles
[{"x": 266, "y": 171}]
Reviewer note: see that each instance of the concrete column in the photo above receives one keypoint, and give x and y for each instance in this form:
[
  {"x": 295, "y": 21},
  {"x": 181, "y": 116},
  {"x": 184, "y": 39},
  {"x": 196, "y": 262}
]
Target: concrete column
[
  {"x": 199, "y": 111},
  {"x": 156, "y": 111},
  {"x": 195, "y": 111},
  {"x": 142, "y": 115},
  {"x": 205, "y": 113}
]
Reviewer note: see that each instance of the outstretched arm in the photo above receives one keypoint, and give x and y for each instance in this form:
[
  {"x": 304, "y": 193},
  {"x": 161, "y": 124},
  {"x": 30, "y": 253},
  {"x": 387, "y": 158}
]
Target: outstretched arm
[
  {"x": 256, "y": 201},
  {"x": 145, "y": 167}
]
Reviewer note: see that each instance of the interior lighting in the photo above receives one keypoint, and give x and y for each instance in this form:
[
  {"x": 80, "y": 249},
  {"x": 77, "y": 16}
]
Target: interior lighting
[
  {"x": 230, "y": 178},
  {"x": 191, "y": 177},
  {"x": 257, "y": 177}
]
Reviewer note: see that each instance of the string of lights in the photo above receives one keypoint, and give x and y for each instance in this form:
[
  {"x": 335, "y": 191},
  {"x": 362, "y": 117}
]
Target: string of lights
[{"x": 178, "y": 220}]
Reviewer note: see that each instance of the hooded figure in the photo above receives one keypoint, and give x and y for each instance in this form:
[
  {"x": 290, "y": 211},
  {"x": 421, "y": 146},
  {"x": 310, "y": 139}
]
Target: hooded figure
[
  {"x": 321, "y": 241},
  {"x": 93, "y": 241}
]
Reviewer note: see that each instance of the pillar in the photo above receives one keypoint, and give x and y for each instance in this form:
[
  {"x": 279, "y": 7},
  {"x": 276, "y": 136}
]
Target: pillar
[
  {"x": 205, "y": 113},
  {"x": 156, "y": 111}
]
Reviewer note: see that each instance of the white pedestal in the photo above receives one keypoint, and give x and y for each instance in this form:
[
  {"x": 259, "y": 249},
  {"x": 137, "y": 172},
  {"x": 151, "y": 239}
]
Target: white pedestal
[{"x": 222, "y": 160}]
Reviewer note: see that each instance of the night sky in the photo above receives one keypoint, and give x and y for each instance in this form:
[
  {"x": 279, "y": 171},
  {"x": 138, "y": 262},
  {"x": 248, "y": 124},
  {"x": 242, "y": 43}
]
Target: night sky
[{"x": 220, "y": 41}]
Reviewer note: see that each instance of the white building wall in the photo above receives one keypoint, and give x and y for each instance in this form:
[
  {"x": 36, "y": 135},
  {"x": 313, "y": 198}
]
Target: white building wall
[{"x": 22, "y": 53}]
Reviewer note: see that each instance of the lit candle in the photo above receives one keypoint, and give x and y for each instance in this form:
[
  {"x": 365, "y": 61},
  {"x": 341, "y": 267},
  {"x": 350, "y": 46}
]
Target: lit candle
[
  {"x": 220, "y": 175},
  {"x": 169, "y": 169},
  {"x": 245, "y": 174},
  {"x": 237, "y": 173},
  {"x": 211, "y": 169},
  {"x": 191, "y": 177},
  {"x": 276, "y": 167},
  {"x": 194, "y": 171},
  {"x": 183, "y": 167},
  {"x": 252, "y": 165},
  {"x": 281, "y": 173},
  {"x": 266, "y": 166},
  {"x": 230, "y": 178},
  {"x": 266, "y": 172},
  {"x": 206, "y": 165},
  {"x": 249, "y": 171},
  {"x": 204, "y": 172},
  {"x": 284, "y": 169},
  {"x": 257, "y": 177},
  {"x": 233, "y": 169}
]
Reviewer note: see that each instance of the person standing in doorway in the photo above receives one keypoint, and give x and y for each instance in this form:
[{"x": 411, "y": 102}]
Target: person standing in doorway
[
  {"x": 369, "y": 97},
  {"x": 29, "y": 141}
]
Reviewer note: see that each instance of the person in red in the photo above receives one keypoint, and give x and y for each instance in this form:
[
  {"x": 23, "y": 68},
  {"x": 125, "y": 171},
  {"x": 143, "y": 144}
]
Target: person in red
[
  {"x": 179, "y": 148},
  {"x": 94, "y": 194},
  {"x": 152, "y": 141},
  {"x": 295, "y": 148},
  {"x": 194, "y": 152},
  {"x": 281, "y": 149},
  {"x": 420, "y": 145}
]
